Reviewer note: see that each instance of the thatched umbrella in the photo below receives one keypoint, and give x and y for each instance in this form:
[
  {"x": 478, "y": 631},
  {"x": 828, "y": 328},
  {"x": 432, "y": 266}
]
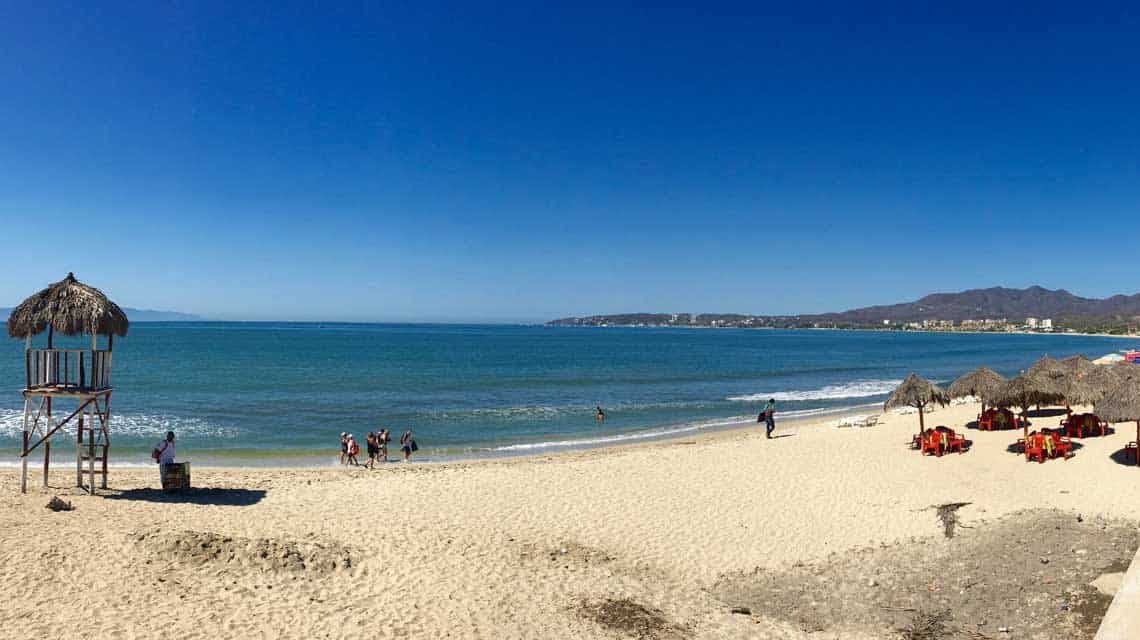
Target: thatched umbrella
[
  {"x": 980, "y": 383},
  {"x": 917, "y": 392},
  {"x": 68, "y": 307},
  {"x": 1024, "y": 391},
  {"x": 1122, "y": 404},
  {"x": 1050, "y": 375}
]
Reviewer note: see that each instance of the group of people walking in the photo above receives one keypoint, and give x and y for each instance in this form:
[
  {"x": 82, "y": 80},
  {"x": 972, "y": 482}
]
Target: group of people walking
[{"x": 377, "y": 447}]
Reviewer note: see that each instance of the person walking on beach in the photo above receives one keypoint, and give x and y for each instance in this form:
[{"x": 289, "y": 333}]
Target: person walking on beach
[
  {"x": 382, "y": 439},
  {"x": 343, "y": 447},
  {"x": 353, "y": 449},
  {"x": 373, "y": 450},
  {"x": 600, "y": 414},
  {"x": 163, "y": 454},
  {"x": 768, "y": 415},
  {"x": 407, "y": 445}
]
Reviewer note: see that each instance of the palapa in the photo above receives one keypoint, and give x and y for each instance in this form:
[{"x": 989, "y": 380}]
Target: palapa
[
  {"x": 980, "y": 382},
  {"x": 1051, "y": 375},
  {"x": 1122, "y": 404},
  {"x": 918, "y": 392},
  {"x": 68, "y": 307},
  {"x": 1024, "y": 391}
]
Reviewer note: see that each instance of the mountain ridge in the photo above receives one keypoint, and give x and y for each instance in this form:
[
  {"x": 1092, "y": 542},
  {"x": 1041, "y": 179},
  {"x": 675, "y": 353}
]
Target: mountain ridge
[{"x": 973, "y": 304}]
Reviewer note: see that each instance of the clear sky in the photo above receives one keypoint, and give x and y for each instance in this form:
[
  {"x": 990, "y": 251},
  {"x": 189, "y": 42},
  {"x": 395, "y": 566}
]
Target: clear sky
[{"x": 521, "y": 162}]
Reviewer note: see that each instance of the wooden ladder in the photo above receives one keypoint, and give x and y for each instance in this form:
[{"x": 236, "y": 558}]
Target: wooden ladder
[{"x": 92, "y": 450}]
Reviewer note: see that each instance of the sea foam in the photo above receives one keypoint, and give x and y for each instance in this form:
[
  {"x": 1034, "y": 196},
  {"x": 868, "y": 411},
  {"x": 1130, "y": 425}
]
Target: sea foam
[{"x": 856, "y": 389}]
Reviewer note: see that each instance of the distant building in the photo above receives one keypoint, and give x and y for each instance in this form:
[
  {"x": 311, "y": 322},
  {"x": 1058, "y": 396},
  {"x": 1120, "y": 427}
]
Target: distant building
[
  {"x": 1031, "y": 323},
  {"x": 1046, "y": 324}
]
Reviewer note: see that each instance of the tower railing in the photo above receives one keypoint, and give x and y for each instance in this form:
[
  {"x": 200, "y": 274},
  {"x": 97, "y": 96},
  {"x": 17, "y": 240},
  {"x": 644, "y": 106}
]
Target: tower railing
[{"x": 67, "y": 370}]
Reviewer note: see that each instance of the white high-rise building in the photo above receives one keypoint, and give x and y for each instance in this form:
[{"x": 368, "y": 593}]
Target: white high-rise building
[
  {"x": 1031, "y": 323},
  {"x": 1046, "y": 324}
]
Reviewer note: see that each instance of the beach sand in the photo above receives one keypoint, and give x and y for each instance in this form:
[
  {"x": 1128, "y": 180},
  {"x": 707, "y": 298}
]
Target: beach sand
[{"x": 647, "y": 541}]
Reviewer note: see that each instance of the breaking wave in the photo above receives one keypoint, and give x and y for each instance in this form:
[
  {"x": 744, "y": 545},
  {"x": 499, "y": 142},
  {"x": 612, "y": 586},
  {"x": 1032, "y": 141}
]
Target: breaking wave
[{"x": 856, "y": 389}]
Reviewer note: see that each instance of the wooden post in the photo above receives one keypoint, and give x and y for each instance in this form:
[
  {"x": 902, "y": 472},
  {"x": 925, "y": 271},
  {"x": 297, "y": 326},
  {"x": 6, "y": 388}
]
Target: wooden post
[
  {"x": 47, "y": 443},
  {"x": 921, "y": 423},
  {"x": 24, "y": 454},
  {"x": 106, "y": 425},
  {"x": 1025, "y": 429},
  {"x": 79, "y": 453}
]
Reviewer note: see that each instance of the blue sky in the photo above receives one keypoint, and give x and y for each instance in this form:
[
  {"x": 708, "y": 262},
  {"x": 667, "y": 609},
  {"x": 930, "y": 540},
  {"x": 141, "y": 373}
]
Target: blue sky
[{"x": 520, "y": 162}]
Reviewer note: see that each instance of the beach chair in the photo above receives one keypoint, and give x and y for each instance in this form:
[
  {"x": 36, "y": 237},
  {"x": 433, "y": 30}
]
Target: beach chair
[
  {"x": 1071, "y": 425},
  {"x": 1092, "y": 421},
  {"x": 986, "y": 420},
  {"x": 1035, "y": 446},
  {"x": 932, "y": 442},
  {"x": 955, "y": 441},
  {"x": 1062, "y": 446}
]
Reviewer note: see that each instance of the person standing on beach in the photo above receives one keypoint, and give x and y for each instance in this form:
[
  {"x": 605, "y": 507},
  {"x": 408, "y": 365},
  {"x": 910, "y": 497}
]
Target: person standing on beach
[
  {"x": 768, "y": 413},
  {"x": 373, "y": 450},
  {"x": 353, "y": 449},
  {"x": 343, "y": 447},
  {"x": 163, "y": 454},
  {"x": 382, "y": 439},
  {"x": 407, "y": 445}
]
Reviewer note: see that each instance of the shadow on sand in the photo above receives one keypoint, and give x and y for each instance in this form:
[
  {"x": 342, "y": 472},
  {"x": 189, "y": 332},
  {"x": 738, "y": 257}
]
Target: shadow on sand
[
  {"x": 1013, "y": 448},
  {"x": 1045, "y": 413},
  {"x": 218, "y": 497},
  {"x": 1124, "y": 457}
]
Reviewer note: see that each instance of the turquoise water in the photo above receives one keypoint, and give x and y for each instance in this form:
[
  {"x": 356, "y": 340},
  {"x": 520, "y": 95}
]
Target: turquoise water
[{"x": 276, "y": 393}]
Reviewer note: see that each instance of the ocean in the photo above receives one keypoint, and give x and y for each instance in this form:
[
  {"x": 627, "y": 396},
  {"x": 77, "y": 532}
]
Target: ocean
[{"x": 281, "y": 393}]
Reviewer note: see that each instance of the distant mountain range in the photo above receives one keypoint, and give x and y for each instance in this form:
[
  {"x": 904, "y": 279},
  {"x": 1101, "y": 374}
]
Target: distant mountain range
[
  {"x": 1014, "y": 305},
  {"x": 138, "y": 315},
  {"x": 997, "y": 302}
]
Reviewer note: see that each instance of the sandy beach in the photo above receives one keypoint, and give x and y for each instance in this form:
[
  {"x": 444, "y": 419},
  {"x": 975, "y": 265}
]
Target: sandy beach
[{"x": 647, "y": 541}]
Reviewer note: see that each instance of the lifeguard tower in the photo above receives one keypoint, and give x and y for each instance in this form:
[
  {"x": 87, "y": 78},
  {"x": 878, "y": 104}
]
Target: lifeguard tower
[{"x": 72, "y": 382}]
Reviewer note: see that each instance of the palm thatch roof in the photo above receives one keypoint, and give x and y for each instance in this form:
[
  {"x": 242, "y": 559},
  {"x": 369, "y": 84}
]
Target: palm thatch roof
[
  {"x": 980, "y": 382},
  {"x": 918, "y": 392},
  {"x": 1122, "y": 403},
  {"x": 1051, "y": 375},
  {"x": 69, "y": 308},
  {"x": 1025, "y": 390}
]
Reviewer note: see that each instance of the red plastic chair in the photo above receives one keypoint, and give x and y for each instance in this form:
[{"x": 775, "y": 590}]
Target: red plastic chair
[
  {"x": 1072, "y": 425},
  {"x": 1035, "y": 446},
  {"x": 1061, "y": 446},
  {"x": 955, "y": 441},
  {"x": 932, "y": 441},
  {"x": 1091, "y": 422},
  {"x": 986, "y": 420}
]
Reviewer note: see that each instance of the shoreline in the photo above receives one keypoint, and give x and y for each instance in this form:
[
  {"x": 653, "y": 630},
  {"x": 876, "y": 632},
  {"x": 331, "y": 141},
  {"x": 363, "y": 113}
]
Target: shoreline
[{"x": 647, "y": 436}]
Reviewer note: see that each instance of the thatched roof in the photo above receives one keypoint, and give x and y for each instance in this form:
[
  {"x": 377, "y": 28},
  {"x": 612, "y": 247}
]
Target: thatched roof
[
  {"x": 1122, "y": 404},
  {"x": 916, "y": 391},
  {"x": 980, "y": 382},
  {"x": 1024, "y": 391},
  {"x": 1051, "y": 376},
  {"x": 70, "y": 308},
  {"x": 1047, "y": 365}
]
